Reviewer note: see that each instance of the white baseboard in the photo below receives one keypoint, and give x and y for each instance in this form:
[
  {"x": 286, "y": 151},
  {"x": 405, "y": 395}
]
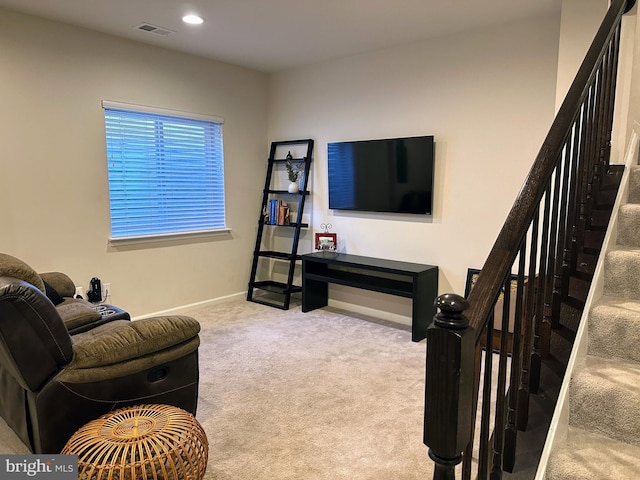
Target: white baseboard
[
  {"x": 350, "y": 307},
  {"x": 203, "y": 303}
]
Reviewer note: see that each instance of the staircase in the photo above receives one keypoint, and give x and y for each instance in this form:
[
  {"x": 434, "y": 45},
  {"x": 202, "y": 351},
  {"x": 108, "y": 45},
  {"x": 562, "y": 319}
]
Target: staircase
[
  {"x": 549, "y": 246},
  {"x": 602, "y": 438},
  {"x": 580, "y": 279}
]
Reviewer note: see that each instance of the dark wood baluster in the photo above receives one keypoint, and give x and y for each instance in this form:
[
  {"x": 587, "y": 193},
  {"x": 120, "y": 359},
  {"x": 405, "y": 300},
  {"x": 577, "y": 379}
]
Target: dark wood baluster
[
  {"x": 615, "y": 51},
  {"x": 574, "y": 201},
  {"x": 467, "y": 462},
  {"x": 547, "y": 320},
  {"x": 485, "y": 417},
  {"x": 594, "y": 172},
  {"x": 569, "y": 258},
  {"x": 542, "y": 341},
  {"x": 610, "y": 63},
  {"x": 604, "y": 126},
  {"x": 511, "y": 433},
  {"x": 501, "y": 395},
  {"x": 527, "y": 341},
  {"x": 586, "y": 170},
  {"x": 563, "y": 226},
  {"x": 536, "y": 355}
]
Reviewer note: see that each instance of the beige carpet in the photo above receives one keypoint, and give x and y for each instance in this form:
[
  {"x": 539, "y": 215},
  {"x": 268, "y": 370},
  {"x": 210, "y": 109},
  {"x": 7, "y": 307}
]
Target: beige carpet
[{"x": 318, "y": 395}]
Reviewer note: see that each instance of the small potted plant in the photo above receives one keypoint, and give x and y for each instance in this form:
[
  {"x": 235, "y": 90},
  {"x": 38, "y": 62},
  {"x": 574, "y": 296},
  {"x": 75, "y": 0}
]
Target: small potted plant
[{"x": 292, "y": 172}]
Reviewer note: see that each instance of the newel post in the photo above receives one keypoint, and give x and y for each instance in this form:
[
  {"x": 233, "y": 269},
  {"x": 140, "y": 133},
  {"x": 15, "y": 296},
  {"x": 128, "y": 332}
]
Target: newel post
[{"x": 448, "y": 385}]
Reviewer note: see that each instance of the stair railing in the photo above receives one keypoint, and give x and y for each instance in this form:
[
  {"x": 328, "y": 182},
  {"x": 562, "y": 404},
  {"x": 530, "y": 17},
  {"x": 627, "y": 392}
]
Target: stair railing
[{"x": 528, "y": 270}]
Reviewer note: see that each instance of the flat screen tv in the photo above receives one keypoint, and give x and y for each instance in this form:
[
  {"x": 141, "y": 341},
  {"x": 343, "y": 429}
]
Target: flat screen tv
[{"x": 387, "y": 175}]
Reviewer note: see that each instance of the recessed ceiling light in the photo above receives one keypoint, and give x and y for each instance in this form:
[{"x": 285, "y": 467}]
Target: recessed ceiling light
[{"x": 192, "y": 19}]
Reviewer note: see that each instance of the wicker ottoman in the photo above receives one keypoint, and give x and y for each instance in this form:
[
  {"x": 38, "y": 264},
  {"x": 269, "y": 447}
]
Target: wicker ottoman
[{"x": 150, "y": 442}]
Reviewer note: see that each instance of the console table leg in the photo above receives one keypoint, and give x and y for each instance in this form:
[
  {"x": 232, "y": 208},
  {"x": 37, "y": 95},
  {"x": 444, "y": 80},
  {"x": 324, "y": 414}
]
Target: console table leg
[{"x": 314, "y": 295}]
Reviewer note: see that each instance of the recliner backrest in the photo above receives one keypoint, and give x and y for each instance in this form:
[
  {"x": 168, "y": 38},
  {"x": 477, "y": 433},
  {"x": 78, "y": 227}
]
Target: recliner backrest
[{"x": 34, "y": 342}]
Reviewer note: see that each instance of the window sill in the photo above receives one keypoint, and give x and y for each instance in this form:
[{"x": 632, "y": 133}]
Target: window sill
[{"x": 169, "y": 237}]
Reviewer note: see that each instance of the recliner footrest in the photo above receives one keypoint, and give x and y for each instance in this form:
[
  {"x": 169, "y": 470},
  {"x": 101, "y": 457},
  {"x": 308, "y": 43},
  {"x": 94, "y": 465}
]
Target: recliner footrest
[{"x": 121, "y": 340}]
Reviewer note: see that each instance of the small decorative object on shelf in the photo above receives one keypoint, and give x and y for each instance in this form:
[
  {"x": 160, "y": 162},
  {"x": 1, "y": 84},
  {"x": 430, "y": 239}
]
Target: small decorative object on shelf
[
  {"x": 292, "y": 172},
  {"x": 326, "y": 240}
]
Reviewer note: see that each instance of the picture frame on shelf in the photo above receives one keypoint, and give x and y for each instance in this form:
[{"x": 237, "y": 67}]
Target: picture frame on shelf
[{"x": 326, "y": 241}]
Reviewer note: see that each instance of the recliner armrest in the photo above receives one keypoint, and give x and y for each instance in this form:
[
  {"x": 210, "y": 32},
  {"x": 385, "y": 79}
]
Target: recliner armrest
[
  {"x": 122, "y": 340},
  {"x": 61, "y": 282},
  {"x": 77, "y": 314}
]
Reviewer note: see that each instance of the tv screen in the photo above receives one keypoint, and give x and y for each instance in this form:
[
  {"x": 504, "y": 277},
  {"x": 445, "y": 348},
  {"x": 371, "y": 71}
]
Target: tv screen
[{"x": 388, "y": 175}]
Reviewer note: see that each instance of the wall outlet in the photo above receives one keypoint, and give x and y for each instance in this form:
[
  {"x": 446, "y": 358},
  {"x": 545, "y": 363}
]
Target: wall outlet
[
  {"x": 107, "y": 291},
  {"x": 79, "y": 292}
]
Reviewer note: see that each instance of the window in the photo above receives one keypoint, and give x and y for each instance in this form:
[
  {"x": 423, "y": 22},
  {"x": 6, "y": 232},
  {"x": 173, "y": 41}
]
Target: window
[{"x": 166, "y": 172}]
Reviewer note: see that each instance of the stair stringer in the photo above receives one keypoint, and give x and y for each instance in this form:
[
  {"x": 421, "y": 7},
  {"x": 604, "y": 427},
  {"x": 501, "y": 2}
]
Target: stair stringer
[{"x": 559, "y": 426}]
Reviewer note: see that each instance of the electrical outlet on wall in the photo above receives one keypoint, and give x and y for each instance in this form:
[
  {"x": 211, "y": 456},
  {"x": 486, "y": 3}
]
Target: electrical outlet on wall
[{"x": 107, "y": 291}]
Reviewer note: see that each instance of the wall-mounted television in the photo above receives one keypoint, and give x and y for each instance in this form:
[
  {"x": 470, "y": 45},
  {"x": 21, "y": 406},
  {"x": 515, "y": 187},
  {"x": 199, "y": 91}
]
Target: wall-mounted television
[{"x": 386, "y": 175}]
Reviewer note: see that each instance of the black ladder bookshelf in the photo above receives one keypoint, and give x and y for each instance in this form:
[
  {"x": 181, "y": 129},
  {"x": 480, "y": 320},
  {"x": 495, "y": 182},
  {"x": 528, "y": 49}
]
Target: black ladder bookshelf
[{"x": 263, "y": 286}]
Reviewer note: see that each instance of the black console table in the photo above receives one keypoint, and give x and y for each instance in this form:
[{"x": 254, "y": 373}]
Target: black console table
[{"x": 411, "y": 280}]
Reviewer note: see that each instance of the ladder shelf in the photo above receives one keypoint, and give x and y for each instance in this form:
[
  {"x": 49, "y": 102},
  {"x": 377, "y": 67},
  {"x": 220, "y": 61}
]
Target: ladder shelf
[{"x": 275, "y": 291}]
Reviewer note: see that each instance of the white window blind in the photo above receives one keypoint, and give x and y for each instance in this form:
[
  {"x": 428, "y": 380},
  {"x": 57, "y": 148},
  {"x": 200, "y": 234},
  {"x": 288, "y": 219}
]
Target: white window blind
[{"x": 166, "y": 172}]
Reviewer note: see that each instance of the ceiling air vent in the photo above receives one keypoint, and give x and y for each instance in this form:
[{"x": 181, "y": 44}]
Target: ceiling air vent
[{"x": 147, "y": 27}]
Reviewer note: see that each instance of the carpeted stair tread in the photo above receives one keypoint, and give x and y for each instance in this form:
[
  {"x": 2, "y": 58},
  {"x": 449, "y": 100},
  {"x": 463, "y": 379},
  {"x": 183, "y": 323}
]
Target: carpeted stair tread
[
  {"x": 629, "y": 224},
  {"x": 634, "y": 184},
  {"x": 614, "y": 329},
  {"x": 604, "y": 398},
  {"x": 588, "y": 456},
  {"x": 622, "y": 272}
]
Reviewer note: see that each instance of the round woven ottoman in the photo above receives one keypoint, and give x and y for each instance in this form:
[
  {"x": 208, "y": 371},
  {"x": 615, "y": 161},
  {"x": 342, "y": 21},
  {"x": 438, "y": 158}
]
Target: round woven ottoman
[{"x": 152, "y": 442}]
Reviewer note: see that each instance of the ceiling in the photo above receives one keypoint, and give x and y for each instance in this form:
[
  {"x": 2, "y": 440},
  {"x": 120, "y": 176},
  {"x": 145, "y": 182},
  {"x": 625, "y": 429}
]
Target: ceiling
[{"x": 272, "y": 35}]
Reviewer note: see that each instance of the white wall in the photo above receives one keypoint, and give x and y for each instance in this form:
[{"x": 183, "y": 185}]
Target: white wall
[
  {"x": 53, "y": 176},
  {"x": 580, "y": 20},
  {"x": 487, "y": 96},
  {"x": 633, "y": 119}
]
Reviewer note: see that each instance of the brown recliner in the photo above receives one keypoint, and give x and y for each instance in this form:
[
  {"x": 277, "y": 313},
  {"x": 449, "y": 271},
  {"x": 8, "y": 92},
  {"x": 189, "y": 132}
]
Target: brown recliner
[
  {"x": 77, "y": 314},
  {"x": 52, "y": 383}
]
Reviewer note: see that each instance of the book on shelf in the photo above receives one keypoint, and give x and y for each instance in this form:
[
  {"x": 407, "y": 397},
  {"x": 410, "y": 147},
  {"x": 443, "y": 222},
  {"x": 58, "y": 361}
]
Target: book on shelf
[
  {"x": 283, "y": 213},
  {"x": 272, "y": 211},
  {"x": 277, "y": 213}
]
